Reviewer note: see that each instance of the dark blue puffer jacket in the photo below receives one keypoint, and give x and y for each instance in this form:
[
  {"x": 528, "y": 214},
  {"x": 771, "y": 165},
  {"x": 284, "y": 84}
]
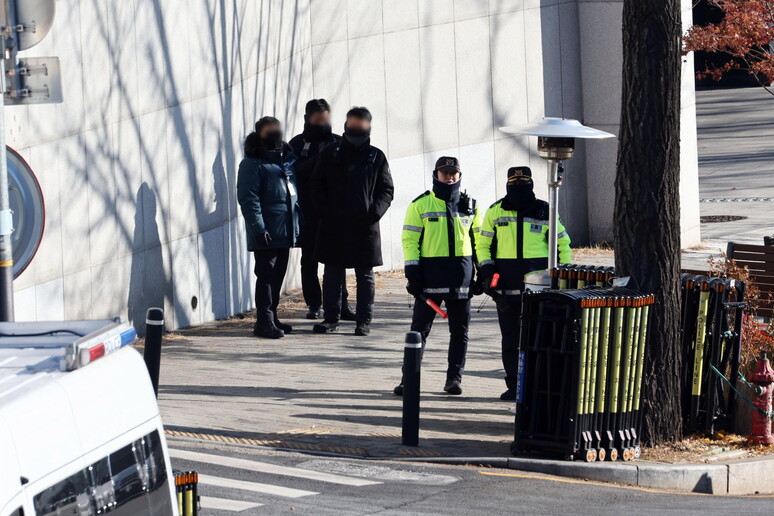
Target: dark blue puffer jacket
[{"x": 266, "y": 190}]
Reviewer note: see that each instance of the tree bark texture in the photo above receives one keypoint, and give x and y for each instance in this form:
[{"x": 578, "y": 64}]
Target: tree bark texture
[{"x": 647, "y": 206}]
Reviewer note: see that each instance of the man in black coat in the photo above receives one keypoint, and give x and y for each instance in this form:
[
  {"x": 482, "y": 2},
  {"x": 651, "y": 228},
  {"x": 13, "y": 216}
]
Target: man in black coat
[
  {"x": 306, "y": 146},
  {"x": 352, "y": 190}
]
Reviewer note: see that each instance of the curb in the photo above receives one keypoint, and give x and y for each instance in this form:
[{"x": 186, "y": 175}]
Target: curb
[
  {"x": 738, "y": 477},
  {"x": 741, "y": 477}
]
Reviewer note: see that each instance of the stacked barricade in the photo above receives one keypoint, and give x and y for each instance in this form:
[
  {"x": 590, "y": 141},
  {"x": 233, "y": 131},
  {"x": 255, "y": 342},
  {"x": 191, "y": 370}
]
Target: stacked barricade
[
  {"x": 711, "y": 318},
  {"x": 187, "y": 490},
  {"x": 711, "y": 322},
  {"x": 581, "y": 356}
]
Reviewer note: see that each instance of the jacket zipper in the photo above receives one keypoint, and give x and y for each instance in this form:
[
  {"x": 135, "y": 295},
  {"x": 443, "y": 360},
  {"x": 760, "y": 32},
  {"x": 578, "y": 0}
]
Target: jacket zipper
[{"x": 450, "y": 229}]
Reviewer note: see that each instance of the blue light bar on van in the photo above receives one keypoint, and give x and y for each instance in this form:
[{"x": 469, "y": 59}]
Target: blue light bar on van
[{"x": 98, "y": 344}]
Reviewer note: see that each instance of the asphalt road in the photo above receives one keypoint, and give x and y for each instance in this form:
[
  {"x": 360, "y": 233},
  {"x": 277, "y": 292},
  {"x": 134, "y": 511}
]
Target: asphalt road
[{"x": 240, "y": 480}]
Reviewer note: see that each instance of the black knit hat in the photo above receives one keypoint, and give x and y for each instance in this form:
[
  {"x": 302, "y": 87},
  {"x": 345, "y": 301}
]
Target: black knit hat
[{"x": 447, "y": 164}]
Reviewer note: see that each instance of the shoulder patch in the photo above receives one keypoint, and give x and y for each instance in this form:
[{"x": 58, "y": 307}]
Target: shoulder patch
[{"x": 422, "y": 195}]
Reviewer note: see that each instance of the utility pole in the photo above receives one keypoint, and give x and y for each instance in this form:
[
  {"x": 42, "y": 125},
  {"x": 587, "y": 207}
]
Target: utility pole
[
  {"x": 6, "y": 217},
  {"x": 29, "y": 81}
]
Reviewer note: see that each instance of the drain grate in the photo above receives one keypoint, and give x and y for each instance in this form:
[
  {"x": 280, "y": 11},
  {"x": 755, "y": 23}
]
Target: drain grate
[
  {"x": 737, "y": 199},
  {"x": 709, "y": 219}
]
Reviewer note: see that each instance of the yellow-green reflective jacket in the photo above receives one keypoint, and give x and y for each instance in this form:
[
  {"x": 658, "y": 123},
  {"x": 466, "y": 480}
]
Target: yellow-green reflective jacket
[
  {"x": 438, "y": 237},
  {"x": 517, "y": 242}
]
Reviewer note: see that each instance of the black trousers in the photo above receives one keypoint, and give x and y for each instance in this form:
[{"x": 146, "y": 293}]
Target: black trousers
[
  {"x": 508, "y": 313},
  {"x": 310, "y": 282},
  {"x": 459, "y": 320},
  {"x": 334, "y": 278},
  {"x": 270, "y": 268}
]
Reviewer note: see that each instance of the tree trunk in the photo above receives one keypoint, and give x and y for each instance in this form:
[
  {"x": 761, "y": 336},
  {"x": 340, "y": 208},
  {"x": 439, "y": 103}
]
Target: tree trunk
[{"x": 647, "y": 206}]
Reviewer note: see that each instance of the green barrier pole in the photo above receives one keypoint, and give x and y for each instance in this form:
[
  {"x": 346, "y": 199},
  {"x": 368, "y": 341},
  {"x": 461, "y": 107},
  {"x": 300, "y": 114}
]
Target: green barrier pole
[
  {"x": 592, "y": 384},
  {"x": 602, "y": 366},
  {"x": 580, "y": 433},
  {"x": 636, "y": 343},
  {"x": 640, "y": 366},
  {"x": 626, "y": 371},
  {"x": 698, "y": 355},
  {"x": 615, "y": 374},
  {"x": 582, "y": 361}
]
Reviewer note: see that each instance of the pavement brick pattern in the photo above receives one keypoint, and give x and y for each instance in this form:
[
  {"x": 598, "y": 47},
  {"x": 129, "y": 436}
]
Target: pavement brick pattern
[{"x": 333, "y": 393}]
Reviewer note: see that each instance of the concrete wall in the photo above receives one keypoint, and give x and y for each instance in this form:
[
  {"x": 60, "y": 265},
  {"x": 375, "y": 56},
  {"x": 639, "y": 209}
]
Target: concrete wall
[
  {"x": 601, "y": 64},
  {"x": 138, "y": 165}
]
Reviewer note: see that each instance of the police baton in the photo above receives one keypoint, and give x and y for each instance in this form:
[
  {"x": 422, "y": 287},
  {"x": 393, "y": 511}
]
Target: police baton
[
  {"x": 432, "y": 304},
  {"x": 412, "y": 364}
]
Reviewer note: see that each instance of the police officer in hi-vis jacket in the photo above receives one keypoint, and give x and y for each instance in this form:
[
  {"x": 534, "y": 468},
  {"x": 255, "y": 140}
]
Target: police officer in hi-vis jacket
[
  {"x": 512, "y": 242},
  {"x": 438, "y": 248}
]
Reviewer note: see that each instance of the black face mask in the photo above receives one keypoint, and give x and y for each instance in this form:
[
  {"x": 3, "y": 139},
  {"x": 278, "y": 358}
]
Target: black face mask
[
  {"x": 446, "y": 192},
  {"x": 357, "y": 137},
  {"x": 317, "y": 132},
  {"x": 273, "y": 140},
  {"x": 519, "y": 197}
]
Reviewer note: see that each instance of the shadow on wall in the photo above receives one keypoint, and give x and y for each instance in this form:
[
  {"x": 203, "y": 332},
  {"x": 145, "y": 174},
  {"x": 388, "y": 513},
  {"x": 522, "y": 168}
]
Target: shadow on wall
[
  {"x": 148, "y": 283},
  {"x": 175, "y": 169}
]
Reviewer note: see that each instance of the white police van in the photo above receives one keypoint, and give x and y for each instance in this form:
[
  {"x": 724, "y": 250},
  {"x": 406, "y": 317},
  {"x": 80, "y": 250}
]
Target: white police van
[{"x": 80, "y": 431}]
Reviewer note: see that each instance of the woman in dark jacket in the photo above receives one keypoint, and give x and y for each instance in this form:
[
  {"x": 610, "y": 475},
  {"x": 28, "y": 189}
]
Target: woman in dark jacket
[{"x": 266, "y": 189}]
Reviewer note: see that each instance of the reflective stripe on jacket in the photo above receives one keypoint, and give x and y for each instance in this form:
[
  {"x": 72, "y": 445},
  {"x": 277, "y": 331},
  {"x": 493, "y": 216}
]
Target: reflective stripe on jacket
[
  {"x": 517, "y": 243},
  {"x": 438, "y": 236}
]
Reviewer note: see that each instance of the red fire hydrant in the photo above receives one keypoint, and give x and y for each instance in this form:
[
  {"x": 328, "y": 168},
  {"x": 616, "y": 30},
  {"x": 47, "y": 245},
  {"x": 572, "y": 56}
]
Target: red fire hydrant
[{"x": 763, "y": 378}]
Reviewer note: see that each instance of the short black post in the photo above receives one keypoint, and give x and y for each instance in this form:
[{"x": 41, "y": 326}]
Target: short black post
[
  {"x": 154, "y": 327},
  {"x": 412, "y": 364}
]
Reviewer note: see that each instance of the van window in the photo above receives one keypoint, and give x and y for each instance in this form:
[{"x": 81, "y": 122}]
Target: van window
[
  {"x": 68, "y": 496},
  {"x": 131, "y": 481}
]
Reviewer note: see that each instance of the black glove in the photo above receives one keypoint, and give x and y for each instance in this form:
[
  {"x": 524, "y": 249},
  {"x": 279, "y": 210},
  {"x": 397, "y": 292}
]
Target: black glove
[
  {"x": 486, "y": 273},
  {"x": 477, "y": 287},
  {"x": 415, "y": 289},
  {"x": 413, "y": 274},
  {"x": 263, "y": 240}
]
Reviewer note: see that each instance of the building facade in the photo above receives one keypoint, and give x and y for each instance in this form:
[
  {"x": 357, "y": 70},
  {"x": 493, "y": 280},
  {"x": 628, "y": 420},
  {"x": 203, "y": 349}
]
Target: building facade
[{"x": 138, "y": 165}]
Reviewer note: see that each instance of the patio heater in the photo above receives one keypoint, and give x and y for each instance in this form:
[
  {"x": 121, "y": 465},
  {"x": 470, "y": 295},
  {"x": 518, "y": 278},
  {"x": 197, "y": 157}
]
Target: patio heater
[{"x": 556, "y": 142}]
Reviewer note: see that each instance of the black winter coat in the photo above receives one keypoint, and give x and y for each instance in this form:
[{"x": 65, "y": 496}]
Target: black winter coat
[
  {"x": 266, "y": 190},
  {"x": 304, "y": 166},
  {"x": 352, "y": 190}
]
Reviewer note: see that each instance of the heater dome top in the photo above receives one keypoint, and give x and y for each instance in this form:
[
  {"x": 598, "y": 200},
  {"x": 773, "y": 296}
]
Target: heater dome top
[{"x": 556, "y": 128}]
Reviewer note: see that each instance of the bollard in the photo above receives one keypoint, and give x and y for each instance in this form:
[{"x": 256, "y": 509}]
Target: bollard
[
  {"x": 154, "y": 322},
  {"x": 412, "y": 364}
]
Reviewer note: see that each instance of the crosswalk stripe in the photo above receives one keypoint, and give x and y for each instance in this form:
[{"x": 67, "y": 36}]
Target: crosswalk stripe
[
  {"x": 224, "y": 504},
  {"x": 265, "y": 467},
  {"x": 255, "y": 487}
]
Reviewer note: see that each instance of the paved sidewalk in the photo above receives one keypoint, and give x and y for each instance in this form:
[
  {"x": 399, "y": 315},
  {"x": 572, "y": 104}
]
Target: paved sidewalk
[
  {"x": 333, "y": 393},
  {"x": 736, "y": 162}
]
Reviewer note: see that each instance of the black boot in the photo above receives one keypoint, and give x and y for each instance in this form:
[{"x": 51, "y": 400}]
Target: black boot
[
  {"x": 347, "y": 314},
  {"x": 286, "y": 328},
  {"x": 453, "y": 387},
  {"x": 326, "y": 327},
  {"x": 313, "y": 313},
  {"x": 267, "y": 331},
  {"x": 362, "y": 329},
  {"x": 398, "y": 390},
  {"x": 509, "y": 395}
]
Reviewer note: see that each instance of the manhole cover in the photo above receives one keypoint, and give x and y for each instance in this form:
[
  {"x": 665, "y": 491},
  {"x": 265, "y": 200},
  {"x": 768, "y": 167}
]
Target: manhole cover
[{"x": 721, "y": 218}]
